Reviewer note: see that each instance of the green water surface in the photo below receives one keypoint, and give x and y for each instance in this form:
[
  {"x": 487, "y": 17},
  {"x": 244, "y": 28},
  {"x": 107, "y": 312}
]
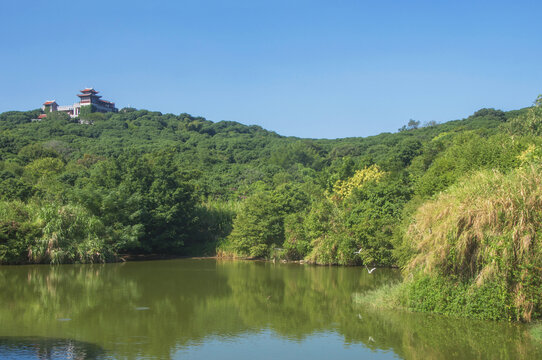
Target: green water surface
[{"x": 202, "y": 309}]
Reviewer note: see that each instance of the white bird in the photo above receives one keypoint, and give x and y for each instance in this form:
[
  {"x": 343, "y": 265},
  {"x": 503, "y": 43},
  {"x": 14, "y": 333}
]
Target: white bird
[
  {"x": 370, "y": 271},
  {"x": 359, "y": 251},
  {"x": 371, "y": 339}
]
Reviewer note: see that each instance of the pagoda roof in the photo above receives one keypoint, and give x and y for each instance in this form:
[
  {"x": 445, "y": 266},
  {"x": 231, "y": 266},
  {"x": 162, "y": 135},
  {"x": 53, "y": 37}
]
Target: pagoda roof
[
  {"x": 42, "y": 116},
  {"x": 94, "y": 94},
  {"x": 89, "y": 90},
  {"x": 49, "y": 102}
]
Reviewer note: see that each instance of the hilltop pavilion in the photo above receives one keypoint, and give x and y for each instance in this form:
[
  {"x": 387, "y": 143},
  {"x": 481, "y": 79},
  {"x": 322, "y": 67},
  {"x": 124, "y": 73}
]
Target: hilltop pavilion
[{"x": 88, "y": 97}]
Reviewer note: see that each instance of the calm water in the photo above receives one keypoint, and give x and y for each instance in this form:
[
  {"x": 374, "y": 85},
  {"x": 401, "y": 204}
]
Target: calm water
[{"x": 201, "y": 309}]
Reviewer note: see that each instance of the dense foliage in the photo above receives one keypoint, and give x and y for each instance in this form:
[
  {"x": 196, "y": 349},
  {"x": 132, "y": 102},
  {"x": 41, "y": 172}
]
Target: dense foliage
[
  {"x": 478, "y": 248},
  {"x": 144, "y": 182},
  {"x": 475, "y": 249}
]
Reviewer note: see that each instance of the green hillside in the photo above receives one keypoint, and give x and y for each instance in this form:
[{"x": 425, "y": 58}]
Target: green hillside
[{"x": 139, "y": 182}]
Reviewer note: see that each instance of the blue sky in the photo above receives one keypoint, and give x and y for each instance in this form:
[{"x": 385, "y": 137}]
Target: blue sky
[{"x": 320, "y": 69}]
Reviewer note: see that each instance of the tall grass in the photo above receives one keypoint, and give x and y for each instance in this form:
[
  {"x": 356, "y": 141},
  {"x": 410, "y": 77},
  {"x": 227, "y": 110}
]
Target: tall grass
[
  {"x": 388, "y": 296},
  {"x": 51, "y": 233},
  {"x": 485, "y": 230},
  {"x": 215, "y": 220}
]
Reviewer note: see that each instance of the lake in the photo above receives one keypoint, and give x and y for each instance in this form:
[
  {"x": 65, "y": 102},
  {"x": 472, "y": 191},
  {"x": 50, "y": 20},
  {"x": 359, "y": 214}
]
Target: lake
[{"x": 201, "y": 309}]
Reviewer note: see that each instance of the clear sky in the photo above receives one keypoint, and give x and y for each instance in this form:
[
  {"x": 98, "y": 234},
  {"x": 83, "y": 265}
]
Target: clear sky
[{"x": 316, "y": 69}]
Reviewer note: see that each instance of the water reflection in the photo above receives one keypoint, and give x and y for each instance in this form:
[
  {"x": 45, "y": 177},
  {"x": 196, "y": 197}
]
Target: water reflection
[
  {"x": 168, "y": 309},
  {"x": 47, "y": 349}
]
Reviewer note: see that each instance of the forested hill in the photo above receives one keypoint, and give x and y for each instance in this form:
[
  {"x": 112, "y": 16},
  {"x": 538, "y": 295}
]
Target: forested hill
[
  {"x": 225, "y": 157},
  {"x": 144, "y": 182}
]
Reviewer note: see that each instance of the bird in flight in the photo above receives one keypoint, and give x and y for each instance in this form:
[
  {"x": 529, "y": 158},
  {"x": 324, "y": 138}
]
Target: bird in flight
[{"x": 370, "y": 271}]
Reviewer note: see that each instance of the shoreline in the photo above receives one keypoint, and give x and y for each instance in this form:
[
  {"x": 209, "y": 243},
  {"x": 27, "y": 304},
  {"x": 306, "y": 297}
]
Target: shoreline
[{"x": 122, "y": 258}]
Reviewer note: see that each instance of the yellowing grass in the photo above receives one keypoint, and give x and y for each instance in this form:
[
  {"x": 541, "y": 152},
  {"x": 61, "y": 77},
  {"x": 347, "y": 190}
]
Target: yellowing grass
[{"x": 486, "y": 228}]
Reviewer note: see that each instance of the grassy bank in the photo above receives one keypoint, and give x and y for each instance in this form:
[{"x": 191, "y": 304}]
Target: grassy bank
[
  {"x": 536, "y": 332},
  {"x": 389, "y": 296},
  {"x": 476, "y": 250}
]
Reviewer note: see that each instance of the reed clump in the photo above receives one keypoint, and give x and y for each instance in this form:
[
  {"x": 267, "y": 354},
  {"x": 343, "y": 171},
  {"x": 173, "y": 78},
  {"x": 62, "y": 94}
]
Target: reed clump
[
  {"x": 480, "y": 242},
  {"x": 388, "y": 296}
]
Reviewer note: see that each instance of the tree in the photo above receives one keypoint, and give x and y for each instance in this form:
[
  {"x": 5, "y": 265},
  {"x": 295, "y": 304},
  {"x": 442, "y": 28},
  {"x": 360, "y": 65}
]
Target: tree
[{"x": 411, "y": 125}]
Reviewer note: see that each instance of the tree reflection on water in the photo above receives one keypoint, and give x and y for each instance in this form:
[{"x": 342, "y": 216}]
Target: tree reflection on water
[{"x": 152, "y": 309}]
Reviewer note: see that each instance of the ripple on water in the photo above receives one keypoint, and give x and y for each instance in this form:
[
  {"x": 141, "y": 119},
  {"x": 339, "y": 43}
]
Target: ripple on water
[{"x": 36, "y": 347}]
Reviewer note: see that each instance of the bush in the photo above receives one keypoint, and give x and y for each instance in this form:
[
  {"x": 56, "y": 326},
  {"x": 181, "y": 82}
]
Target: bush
[
  {"x": 488, "y": 301},
  {"x": 17, "y": 231}
]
